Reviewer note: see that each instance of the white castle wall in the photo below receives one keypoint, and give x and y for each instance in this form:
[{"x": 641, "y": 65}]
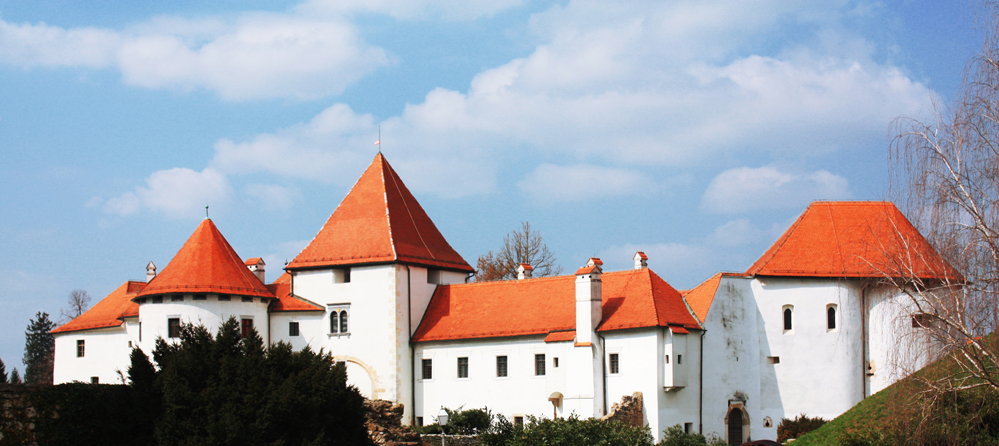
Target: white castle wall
[
  {"x": 211, "y": 313},
  {"x": 106, "y": 353}
]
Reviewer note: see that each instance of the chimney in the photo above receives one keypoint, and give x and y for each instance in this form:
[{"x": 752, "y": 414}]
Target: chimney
[
  {"x": 524, "y": 271},
  {"x": 641, "y": 260},
  {"x": 150, "y": 271},
  {"x": 589, "y": 311},
  {"x": 256, "y": 265}
]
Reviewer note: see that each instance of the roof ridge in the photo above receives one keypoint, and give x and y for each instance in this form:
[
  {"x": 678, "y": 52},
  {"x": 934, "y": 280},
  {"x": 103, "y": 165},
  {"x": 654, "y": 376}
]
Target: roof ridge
[
  {"x": 778, "y": 245},
  {"x": 409, "y": 212}
]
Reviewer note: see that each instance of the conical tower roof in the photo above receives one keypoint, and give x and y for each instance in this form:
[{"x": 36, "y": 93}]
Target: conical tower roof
[
  {"x": 379, "y": 221},
  {"x": 206, "y": 264}
]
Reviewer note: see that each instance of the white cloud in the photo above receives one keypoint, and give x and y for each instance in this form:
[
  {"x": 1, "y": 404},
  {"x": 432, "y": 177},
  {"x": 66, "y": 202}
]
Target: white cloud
[
  {"x": 177, "y": 192},
  {"x": 413, "y": 9},
  {"x": 735, "y": 233},
  {"x": 745, "y": 189},
  {"x": 672, "y": 261},
  {"x": 580, "y": 182},
  {"x": 272, "y": 196},
  {"x": 255, "y": 56}
]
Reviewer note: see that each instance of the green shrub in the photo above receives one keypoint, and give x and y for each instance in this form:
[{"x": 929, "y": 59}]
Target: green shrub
[
  {"x": 675, "y": 436},
  {"x": 571, "y": 431},
  {"x": 794, "y": 428}
]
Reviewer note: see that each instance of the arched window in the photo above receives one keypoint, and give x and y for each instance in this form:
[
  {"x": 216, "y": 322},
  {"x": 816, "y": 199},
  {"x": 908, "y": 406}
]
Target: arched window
[
  {"x": 787, "y": 318},
  {"x": 343, "y": 322},
  {"x": 831, "y": 317},
  {"x": 334, "y": 323}
]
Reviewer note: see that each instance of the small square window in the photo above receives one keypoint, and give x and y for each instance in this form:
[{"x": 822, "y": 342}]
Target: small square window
[
  {"x": 463, "y": 367},
  {"x": 95, "y": 380},
  {"x": 158, "y": 299},
  {"x": 773, "y": 360},
  {"x": 419, "y": 421},
  {"x": 428, "y": 368},
  {"x": 501, "y": 366},
  {"x": 539, "y": 365},
  {"x": 173, "y": 327},
  {"x": 247, "y": 299},
  {"x": 200, "y": 297},
  {"x": 80, "y": 348},
  {"x": 615, "y": 366},
  {"x": 224, "y": 298},
  {"x": 177, "y": 298},
  {"x": 518, "y": 421},
  {"x": 292, "y": 328},
  {"x": 688, "y": 427}
]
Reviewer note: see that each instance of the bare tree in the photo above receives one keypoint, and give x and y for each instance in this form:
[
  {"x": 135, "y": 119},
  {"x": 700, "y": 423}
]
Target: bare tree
[
  {"x": 519, "y": 246},
  {"x": 79, "y": 302},
  {"x": 946, "y": 174}
]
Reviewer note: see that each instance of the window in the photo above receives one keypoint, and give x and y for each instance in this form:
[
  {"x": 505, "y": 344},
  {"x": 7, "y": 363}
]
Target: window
[
  {"x": 334, "y": 322},
  {"x": 158, "y": 299},
  {"x": 343, "y": 322},
  {"x": 518, "y": 421},
  {"x": 434, "y": 276},
  {"x": 428, "y": 368},
  {"x": 338, "y": 319},
  {"x": 419, "y": 421},
  {"x": 200, "y": 297},
  {"x": 247, "y": 327},
  {"x": 787, "y": 318},
  {"x": 831, "y": 317},
  {"x": 177, "y": 298},
  {"x": 341, "y": 275},
  {"x": 140, "y": 331},
  {"x": 501, "y": 366},
  {"x": 539, "y": 365},
  {"x": 614, "y": 364},
  {"x": 773, "y": 360},
  {"x": 79, "y": 348},
  {"x": 667, "y": 359},
  {"x": 95, "y": 380},
  {"x": 173, "y": 327},
  {"x": 292, "y": 328},
  {"x": 922, "y": 320},
  {"x": 463, "y": 367},
  {"x": 555, "y": 362},
  {"x": 688, "y": 427},
  {"x": 224, "y": 298},
  {"x": 247, "y": 299},
  {"x": 679, "y": 359}
]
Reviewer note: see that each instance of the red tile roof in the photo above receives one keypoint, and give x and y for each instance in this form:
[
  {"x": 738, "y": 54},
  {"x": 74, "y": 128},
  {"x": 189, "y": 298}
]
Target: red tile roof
[
  {"x": 253, "y": 261},
  {"x": 700, "y": 297},
  {"x": 631, "y": 299},
  {"x": 379, "y": 221},
  {"x": 561, "y": 336},
  {"x": 206, "y": 264},
  {"x": 852, "y": 239},
  {"x": 109, "y": 312},
  {"x": 285, "y": 300}
]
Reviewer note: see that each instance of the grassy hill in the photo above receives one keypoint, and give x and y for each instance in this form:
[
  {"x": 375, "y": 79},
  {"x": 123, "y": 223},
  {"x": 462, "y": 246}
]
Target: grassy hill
[{"x": 908, "y": 413}]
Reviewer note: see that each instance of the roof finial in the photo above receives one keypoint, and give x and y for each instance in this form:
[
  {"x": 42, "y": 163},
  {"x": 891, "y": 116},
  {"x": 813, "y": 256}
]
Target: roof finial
[
  {"x": 206, "y": 212},
  {"x": 379, "y": 141}
]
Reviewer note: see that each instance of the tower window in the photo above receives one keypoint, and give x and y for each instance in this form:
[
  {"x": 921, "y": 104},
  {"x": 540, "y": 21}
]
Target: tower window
[
  {"x": 334, "y": 322},
  {"x": 463, "y": 367},
  {"x": 615, "y": 365},
  {"x": 831, "y": 317},
  {"x": 292, "y": 328},
  {"x": 428, "y": 368},
  {"x": 80, "y": 348},
  {"x": 787, "y": 317},
  {"x": 539, "y": 365},
  {"x": 343, "y": 322},
  {"x": 246, "y": 326},
  {"x": 501, "y": 369},
  {"x": 173, "y": 327}
]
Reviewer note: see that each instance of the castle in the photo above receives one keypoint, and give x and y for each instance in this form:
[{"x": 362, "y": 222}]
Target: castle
[{"x": 809, "y": 328}]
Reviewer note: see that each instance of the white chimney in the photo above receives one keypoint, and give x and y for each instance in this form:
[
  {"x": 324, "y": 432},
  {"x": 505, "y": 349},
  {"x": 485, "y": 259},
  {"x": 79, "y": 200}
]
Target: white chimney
[
  {"x": 256, "y": 265},
  {"x": 150, "y": 271},
  {"x": 524, "y": 271},
  {"x": 589, "y": 311},
  {"x": 641, "y": 260}
]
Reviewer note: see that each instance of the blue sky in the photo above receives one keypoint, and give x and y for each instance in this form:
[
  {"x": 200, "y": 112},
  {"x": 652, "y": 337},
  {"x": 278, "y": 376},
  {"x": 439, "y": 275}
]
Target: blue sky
[{"x": 696, "y": 131}]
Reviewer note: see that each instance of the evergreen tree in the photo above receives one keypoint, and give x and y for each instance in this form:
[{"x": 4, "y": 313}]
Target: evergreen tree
[
  {"x": 3, "y": 372},
  {"x": 15, "y": 378},
  {"x": 39, "y": 350}
]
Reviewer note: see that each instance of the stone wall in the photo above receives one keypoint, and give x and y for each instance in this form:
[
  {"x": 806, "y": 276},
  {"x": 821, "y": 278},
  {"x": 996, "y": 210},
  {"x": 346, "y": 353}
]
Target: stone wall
[
  {"x": 628, "y": 411},
  {"x": 449, "y": 440},
  {"x": 384, "y": 422}
]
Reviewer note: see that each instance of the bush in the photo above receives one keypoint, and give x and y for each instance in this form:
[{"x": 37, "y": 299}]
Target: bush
[
  {"x": 570, "y": 431},
  {"x": 461, "y": 422},
  {"x": 794, "y": 428},
  {"x": 675, "y": 436}
]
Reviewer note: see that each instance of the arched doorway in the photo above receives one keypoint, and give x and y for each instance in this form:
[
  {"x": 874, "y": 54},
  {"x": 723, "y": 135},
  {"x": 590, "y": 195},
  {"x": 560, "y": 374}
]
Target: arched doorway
[
  {"x": 737, "y": 425},
  {"x": 362, "y": 376}
]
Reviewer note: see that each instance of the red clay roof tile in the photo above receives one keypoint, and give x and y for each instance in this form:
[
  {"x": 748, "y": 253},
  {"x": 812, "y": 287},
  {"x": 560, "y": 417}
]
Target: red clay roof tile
[
  {"x": 206, "y": 264},
  {"x": 285, "y": 300},
  {"x": 109, "y": 312},
  {"x": 852, "y": 239},
  {"x": 379, "y": 221},
  {"x": 631, "y": 299},
  {"x": 561, "y": 336}
]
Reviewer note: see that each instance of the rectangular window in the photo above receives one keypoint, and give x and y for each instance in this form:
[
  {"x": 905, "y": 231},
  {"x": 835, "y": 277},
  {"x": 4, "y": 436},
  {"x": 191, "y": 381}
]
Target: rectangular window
[
  {"x": 539, "y": 365},
  {"x": 292, "y": 328},
  {"x": 679, "y": 359},
  {"x": 518, "y": 421},
  {"x": 173, "y": 327},
  {"x": 177, "y": 298},
  {"x": 158, "y": 299},
  {"x": 419, "y": 421},
  {"x": 247, "y": 327},
  {"x": 614, "y": 364},
  {"x": 224, "y": 298},
  {"x": 80, "y": 348},
  {"x": 428, "y": 368},
  {"x": 773, "y": 360},
  {"x": 501, "y": 366},
  {"x": 200, "y": 297},
  {"x": 247, "y": 299},
  {"x": 463, "y": 367},
  {"x": 688, "y": 427},
  {"x": 95, "y": 380},
  {"x": 555, "y": 362},
  {"x": 434, "y": 276}
]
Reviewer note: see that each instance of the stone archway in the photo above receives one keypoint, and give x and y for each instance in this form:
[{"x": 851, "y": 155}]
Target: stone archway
[
  {"x": 362, "y": 376},
  {"x": 737, "y": 424}
]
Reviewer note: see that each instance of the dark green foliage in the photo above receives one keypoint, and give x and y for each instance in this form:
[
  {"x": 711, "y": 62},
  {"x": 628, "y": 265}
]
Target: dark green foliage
[
  {"x": 229, "y": 390},
  {"x": 570, "y": 431},
  {"x": 461, "y": 422},
  {"x": 39, "y": 350},
  {"x": 794, "y": 428},
  {"x": 3, "y": 372},
  {"x": 15, "y": 377},
  {"x": 85, "y": 414},
  {"x": 675, "y": 436}
]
